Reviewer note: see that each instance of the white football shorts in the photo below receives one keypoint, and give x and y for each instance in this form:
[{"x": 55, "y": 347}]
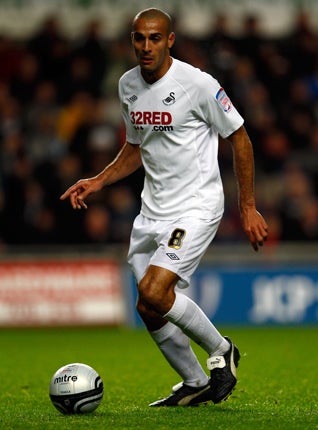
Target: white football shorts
[{"x": 174, "y": 245}]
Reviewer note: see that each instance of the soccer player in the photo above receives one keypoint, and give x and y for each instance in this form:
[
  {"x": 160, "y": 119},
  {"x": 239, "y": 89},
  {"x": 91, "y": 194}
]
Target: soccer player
[{"x": 173, "y": 114}]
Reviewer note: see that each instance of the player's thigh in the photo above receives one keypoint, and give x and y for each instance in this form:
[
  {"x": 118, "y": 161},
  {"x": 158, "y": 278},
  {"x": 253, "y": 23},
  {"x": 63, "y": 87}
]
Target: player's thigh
[
  {"x": 142, "y": 246},
  {"x": 182, "y": 244}
]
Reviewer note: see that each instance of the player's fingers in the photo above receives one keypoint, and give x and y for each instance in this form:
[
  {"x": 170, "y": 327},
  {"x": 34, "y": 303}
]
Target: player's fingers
[
  {"x": 65, "y": 195},
  {"x": 71, "y": 190},
  {"x": 77, "y": 188},
  {"x": 258, "y": 237},
  {"x": 254, "y": 246},
  {"x": 254, "y": 242},
  {"x": 80, "y": 203},
  {"x": 74, "y": 202},
  {"x": 262, "y": 227}
]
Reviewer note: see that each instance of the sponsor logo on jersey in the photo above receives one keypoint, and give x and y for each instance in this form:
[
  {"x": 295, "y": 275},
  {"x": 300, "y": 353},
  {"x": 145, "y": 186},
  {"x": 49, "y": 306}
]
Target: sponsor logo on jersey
[
  {"x": 223, "y": 100},
  {"x": 170, "y": 100},
  {"x": 152, "y": 118},
  {"x": 161, "y": 121},
  {"x": 162, "y": 128}
]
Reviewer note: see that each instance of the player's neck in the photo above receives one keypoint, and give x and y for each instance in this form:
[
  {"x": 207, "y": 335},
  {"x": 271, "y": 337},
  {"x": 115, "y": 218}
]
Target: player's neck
[{"x": 153, "y": 76}]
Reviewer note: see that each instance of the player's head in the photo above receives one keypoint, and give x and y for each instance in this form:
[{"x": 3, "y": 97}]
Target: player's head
[{"x": 152, "y": 38}]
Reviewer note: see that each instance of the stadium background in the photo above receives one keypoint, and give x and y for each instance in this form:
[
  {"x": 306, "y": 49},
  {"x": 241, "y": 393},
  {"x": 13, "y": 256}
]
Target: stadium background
[{"x": 59, "y": 121}]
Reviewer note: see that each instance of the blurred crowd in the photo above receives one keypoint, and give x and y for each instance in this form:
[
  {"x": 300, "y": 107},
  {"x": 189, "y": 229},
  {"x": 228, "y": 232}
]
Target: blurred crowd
[{"x": 60, "y": 121}]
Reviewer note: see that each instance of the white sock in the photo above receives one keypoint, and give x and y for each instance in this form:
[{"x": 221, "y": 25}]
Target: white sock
[
  {"x": 194, "y": 323},
  {"x": 175, "y": 346}
]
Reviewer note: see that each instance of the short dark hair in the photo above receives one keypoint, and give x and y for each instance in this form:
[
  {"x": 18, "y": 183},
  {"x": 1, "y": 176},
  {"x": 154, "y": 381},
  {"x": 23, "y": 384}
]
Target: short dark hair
[{"x": 154, "y": 13}]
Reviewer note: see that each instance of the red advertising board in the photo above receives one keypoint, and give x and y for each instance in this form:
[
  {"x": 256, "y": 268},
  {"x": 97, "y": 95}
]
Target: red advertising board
[{"x": 71, "y": 292}]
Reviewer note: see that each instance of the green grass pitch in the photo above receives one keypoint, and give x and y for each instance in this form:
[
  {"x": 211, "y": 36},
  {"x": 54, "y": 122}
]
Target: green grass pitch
[{"x": 277, "y": 380}]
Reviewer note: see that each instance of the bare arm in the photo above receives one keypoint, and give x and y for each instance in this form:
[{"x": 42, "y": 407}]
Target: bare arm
[
  {"x": 253, "y": 223},
  {"x": 127, "y": 161}
]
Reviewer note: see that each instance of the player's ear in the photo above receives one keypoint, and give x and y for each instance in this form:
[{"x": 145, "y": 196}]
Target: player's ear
[{"x": 171, "y": 39}]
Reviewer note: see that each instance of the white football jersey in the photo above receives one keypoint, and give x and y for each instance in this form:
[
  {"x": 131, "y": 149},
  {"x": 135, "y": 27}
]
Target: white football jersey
[{"x": 176, "y": 122}]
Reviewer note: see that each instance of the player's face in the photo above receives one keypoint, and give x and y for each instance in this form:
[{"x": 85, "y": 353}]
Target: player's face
[{"x": 152, "y": 42}]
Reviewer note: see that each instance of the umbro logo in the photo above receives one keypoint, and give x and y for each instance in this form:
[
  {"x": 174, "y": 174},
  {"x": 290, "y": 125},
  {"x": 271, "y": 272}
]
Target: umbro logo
[
  {"x": 170, "y": 100},
  {"x": 133, "y": 98},
  {"x": 172, "y": 256}
]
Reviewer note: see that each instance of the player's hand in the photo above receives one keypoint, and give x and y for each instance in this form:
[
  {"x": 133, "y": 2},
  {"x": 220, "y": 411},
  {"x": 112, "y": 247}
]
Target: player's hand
[
  {"x": 255, "y": 227},
  {"x": 78, "y": 192}
]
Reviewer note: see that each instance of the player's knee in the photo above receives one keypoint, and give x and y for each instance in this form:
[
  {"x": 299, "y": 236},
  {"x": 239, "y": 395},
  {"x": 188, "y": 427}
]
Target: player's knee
[
  {"x": 152, "y": 320},
  {"x": 148, "y": 295},
  {"x": 147, "y": 312},
  {"x": 141, "y": 308},
  {"x": 154, "y": 298}
]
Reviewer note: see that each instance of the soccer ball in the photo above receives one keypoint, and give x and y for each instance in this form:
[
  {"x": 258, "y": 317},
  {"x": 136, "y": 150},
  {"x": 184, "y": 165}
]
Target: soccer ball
[{"x": 76, "y": 389}]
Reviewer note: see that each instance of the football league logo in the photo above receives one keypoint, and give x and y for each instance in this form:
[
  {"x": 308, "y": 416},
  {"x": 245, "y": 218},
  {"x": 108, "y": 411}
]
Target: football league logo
[{"x": 223, "y": 100}]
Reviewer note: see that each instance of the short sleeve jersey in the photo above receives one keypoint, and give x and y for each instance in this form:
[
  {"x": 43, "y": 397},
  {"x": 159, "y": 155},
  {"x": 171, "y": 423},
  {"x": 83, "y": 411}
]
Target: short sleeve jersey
[{"x": 176, "y": 122}]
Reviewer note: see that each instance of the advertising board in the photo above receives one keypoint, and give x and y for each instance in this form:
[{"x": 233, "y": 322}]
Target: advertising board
[
  {"x": 250, "y": 295},
  {"x": 68, "y": 292}
]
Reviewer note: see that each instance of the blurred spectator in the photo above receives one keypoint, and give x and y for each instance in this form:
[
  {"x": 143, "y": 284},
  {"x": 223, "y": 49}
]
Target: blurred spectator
[
  {"x": 91, "y": 53},
  {"x": 299, "y": 126},
  {"x": 39, "y": 220},
  {"x": 309, "y": 219},
  {"x": 11, "y": 116},
  {"x": 123, "y": 208},
  {"x": 220, "y": 48},
  {"x": 78, "y": 79},
  {"x": 73, "y": 114},
  {"x": 274, "y": 71},
  {"x": 14, "y": 183},
  {"x": 121, "y": 59},
  {"x": 10, "y": 56},
  {"x": 251, "y": 41},
  {"x": 24, "y": 81},
  {"x": 297, "y": 207},
  {"x": 259, "y": 111},
  {"x": 51, "y": 48},
  {"x": 97, "y": 225},
  {"x": 274, "y": 151},
  {"x": 43, "y": 144},
  {"x": 302, "y": 41},
  {"x": 95, "y": 139},
  {"x": 312, "y": 81},
  {"x": 242, "y": 79}
]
